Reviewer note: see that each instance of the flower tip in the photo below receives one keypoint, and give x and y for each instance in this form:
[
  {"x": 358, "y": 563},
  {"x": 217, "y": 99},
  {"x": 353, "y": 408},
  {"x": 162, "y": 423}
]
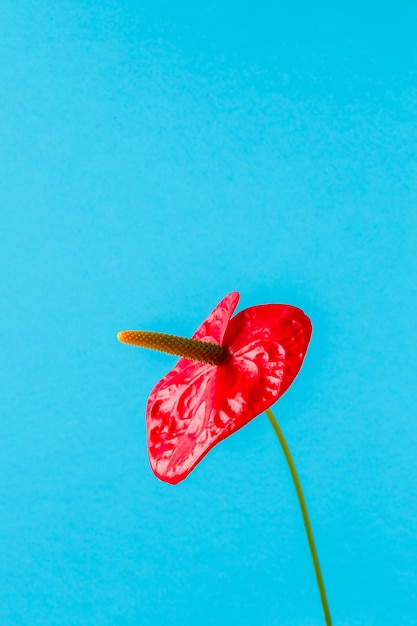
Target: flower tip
[{"x": 122, "y": 336}]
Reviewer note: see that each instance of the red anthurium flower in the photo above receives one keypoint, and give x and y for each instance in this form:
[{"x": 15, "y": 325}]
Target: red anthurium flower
[
  {"x": 231, "y": 370},
  {"x": 197, "y": 404}
]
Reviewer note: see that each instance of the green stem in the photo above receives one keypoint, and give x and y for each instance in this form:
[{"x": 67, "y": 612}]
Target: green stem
[{"x": 303, "y": 506}]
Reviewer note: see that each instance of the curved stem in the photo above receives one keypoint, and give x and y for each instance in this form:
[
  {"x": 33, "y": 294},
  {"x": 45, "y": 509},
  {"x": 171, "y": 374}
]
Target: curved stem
[{"x": 303, "y": 506}]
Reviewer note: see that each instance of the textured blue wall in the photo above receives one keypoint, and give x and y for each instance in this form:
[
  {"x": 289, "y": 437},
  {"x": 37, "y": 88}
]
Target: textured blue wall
[{"x": 155, "y": 156}]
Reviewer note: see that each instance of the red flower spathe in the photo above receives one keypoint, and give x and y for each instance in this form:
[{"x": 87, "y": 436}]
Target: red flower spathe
[{"x": 195, "y": 405}]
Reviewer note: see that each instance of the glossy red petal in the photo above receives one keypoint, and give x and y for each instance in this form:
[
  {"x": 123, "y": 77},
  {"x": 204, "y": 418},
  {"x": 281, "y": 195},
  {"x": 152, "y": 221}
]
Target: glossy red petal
[
  {"x": 179, "y": 409},
  {"x": 267, "y": 344},
  {"x": 214, "y": 327},
  {"x": 195, "y": 406}
]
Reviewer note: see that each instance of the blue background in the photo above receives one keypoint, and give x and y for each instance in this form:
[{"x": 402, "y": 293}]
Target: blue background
[{"x": 156, "y": 155}]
